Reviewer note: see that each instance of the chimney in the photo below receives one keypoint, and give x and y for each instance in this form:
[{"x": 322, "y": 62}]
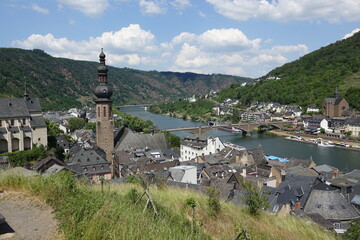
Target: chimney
[{"x": 283, "y": 175}]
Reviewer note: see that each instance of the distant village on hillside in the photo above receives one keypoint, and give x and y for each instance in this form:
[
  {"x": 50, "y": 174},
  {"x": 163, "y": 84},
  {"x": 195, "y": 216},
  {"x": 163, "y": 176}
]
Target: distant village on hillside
[{"x": 321, "y": 193}]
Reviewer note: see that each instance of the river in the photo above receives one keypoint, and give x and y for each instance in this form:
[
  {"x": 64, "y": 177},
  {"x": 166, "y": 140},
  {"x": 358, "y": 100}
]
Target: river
[{"x": 272, "y": 145}]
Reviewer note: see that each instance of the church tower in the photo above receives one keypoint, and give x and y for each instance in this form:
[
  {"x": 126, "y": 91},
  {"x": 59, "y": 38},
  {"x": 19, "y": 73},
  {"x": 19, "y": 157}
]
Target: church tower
[{"x": 104, "y": 117}]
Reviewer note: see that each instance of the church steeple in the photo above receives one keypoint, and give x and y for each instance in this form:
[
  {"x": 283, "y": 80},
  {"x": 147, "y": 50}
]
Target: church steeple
[
  {"x": 104, "y": 116},
  {"x": 103, "y": 90}
]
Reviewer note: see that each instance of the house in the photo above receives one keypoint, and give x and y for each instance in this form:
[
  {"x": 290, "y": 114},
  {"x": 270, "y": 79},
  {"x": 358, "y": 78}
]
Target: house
[
  {"x": 198, "y": 145},
  {"x": 334, "y": 107},
  {"x": 61, "y": 141},
  {"x": 312, "y": 109},
  {"x": 21, "y": 124},
  {"x": 93, "y": 164},
  {"x": 331, "y": 204},
  {"x": 185, "y": 174},
  {"x": 353, "y": 127},
  {"x": 46, "y": 163}
]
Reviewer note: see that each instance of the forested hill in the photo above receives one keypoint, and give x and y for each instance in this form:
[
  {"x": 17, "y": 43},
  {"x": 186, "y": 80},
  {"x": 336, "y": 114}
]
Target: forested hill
[
  {"x": 63, "y": 83},
  {"x": 311, "y": 78}
]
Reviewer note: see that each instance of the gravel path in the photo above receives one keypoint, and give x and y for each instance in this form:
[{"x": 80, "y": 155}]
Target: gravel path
[{"x": 28, "y": 217}]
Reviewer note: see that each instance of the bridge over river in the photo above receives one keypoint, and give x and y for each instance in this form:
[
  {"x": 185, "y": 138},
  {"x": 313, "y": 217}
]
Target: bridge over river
[{"x": 245, "y": 127}]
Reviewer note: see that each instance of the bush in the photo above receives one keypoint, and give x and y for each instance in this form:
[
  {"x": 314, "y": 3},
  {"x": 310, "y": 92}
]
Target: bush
[{"x": 213, "y": 202}]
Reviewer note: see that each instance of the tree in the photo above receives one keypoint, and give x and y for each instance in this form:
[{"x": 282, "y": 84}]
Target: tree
[
  {"x": 254, "y": 198},
  {"x": 91, "y": 126},
  {"x": 235, "y": 118},
  {"x": 353, "y": 232},
  {"x": 76, "y": 123},
  {"x": 322, "y": 130},
  {"x": 53, "y": 128}
]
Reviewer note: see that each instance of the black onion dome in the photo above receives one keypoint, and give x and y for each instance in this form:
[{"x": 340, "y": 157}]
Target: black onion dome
[
  {"x": 102, "y": 69},
  {"x": 102, "y": 55},
  {"x": 103, "y": 91}
]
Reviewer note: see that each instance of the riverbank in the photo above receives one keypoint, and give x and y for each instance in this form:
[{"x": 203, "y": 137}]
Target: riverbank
[{"x": 306, "y": 136}]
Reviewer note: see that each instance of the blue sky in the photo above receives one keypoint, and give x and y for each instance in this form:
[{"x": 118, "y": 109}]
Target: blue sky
[{"x": 239, "y": 37}]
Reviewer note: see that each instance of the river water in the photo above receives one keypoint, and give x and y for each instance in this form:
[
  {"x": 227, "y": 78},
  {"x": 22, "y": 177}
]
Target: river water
[{"x": 272, "y": 145}]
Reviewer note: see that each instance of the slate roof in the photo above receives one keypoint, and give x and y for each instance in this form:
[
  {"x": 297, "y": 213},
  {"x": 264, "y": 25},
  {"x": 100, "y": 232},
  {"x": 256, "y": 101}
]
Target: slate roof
[
  {"x": 258, "y": 155},
  {"x": 47, "y": 163},
  {"x": 178, "y": 172},
  {"x": 91, "y": 162},
  {"x": 324, "y": 168},
  {"x": 33, "y": 105},
  {"x": 331, "y": 205},
  {"x": 131, "y": 140},
  {"x": 318, "y": 219},
  {"x": 294, "y": 188},
  {"x": 37, "y": 121},
  {"x": 13, "y": 107},
  {"x": 346, "y": 180},
  {"x": 334, "y": 101},
  {"x": 159, "y": 167}
]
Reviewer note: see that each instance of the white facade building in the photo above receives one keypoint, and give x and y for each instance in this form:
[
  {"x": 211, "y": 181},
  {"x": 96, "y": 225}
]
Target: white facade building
[
  {"x": 21, "y": 124},
  {"x": 197, "y": 145}
]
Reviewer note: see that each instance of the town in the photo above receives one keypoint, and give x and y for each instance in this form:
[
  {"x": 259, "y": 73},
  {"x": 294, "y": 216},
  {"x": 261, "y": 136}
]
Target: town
[{"x": 114, "y": 155}]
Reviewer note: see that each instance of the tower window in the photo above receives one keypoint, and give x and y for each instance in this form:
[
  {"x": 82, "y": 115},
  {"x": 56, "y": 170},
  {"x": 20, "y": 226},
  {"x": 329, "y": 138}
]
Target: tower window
[
  {"x": 98, "y": 111},
  {"x": 104, "y": 111}
]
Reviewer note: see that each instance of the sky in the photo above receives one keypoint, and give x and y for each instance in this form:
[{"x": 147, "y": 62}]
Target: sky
[{"x": 245, "y": 38}]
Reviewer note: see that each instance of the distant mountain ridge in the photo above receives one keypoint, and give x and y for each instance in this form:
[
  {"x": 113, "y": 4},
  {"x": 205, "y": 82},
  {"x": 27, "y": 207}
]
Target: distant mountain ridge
[
  {"x": 63, "y": 83},
  {"x": 309, "y": 79}
]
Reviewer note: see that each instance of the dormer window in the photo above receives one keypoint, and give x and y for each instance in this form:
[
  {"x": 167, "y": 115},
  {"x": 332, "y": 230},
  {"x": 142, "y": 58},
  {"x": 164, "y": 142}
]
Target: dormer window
[{"x": 85, "y": 169}]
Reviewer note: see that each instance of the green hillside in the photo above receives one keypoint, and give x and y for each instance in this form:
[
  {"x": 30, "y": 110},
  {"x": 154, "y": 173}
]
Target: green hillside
[
  {"x": 86, "y": 212},
  {"x": 310, "y": 79},
  {"x": 63, "y": 83}
]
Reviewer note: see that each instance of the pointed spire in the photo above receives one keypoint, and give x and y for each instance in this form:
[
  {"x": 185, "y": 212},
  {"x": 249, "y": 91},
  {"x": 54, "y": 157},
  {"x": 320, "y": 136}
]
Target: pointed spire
[{"x": 26, "y": 95}]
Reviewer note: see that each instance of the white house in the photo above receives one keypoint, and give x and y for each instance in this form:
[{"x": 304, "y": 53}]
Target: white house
[
  {"x": 197, "y": 145},
  {"x": 325, "y": 124},
  {"x": 185, "y": 174},
  {"x": 353, "y": 126},
  {"x": 312, "y": 109}
]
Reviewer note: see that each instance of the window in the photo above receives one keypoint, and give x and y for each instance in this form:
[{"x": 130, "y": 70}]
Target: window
[
  {"x": 39, "y": 139},
  {"x": 98, "y": 111},
  {"x": 12, "y": 122},
  {"x": 24, "y": 121},
  {"x": 0, "y": 123},
  {"x": 104, "y": 111}
]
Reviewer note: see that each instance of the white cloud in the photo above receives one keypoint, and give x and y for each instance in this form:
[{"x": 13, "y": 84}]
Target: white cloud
[
  {"x": 227, "y": 51},
  {"x": 289, "y": 10},
  {"x": 352, "y": 33},
  {"x": 92, "y": 8},
  {"x": 181, "y": 4},
  {"x": 226, "y": 40},
  {"x": 39, "y": 9},
  {"x": 183, "y": 38},
  {"x": 152, "y": 7}
]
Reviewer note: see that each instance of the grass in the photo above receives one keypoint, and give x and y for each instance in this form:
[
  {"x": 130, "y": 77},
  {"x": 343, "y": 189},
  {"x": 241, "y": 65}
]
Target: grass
[{"x": 84, "y": 212}]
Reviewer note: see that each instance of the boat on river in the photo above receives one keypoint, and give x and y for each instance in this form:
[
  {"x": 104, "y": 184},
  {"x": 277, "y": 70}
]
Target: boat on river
[
  {"x": 231, "y": 129},
  {"x": 325, "y": 144}
]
